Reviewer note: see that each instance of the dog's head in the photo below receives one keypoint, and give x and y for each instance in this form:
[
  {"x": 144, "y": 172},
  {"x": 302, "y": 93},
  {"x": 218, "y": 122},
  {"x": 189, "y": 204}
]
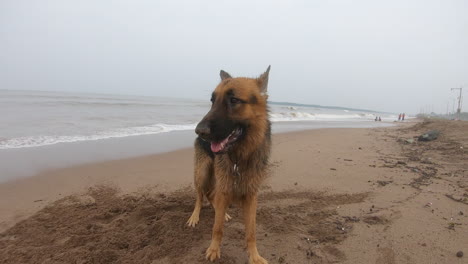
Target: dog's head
[{"x": 238, "y": 104}]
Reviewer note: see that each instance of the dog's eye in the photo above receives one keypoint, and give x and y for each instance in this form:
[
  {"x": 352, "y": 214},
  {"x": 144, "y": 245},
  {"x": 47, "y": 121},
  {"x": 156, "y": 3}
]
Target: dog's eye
[{"x": 235, "y": 100}]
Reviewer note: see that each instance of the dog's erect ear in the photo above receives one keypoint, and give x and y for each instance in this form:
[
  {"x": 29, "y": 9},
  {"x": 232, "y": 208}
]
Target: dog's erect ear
[
  {"x": 224, "y": 75},
  {"x": 263, "y": 80}
]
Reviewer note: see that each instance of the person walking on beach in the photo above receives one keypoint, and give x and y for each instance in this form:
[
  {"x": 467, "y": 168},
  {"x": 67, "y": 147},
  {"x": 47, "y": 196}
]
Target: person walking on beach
[
  {"x": 403, "y": 117},
  {"x": 399, "y": 117}
]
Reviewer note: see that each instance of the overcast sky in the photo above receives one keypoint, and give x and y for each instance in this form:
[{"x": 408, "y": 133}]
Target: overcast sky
[{"x": 396, "y": 56}]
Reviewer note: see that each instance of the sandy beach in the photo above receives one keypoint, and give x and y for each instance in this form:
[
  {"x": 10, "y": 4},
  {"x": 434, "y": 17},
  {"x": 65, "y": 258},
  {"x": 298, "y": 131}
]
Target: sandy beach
[{"x": 335, "y": 195}]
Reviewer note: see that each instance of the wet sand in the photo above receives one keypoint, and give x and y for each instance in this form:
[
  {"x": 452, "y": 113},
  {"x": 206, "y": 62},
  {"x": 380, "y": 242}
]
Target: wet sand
[
  {"x": 28, "y": 161},
  {"x": 352, "y": 195}
]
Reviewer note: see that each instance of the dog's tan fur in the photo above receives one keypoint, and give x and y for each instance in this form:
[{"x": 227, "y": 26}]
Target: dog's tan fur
[{"x": 235, "y": 176}]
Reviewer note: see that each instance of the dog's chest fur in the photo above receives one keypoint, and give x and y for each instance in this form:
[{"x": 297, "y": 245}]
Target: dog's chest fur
[{"x": 239, "y": 177}]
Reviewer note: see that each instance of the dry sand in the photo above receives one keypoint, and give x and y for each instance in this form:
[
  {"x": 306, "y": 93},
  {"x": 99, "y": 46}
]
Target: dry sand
[{"x": 334, "y": 196}]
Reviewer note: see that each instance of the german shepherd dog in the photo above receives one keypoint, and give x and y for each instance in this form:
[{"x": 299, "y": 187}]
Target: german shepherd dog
[{"x": 231, "y": 156}]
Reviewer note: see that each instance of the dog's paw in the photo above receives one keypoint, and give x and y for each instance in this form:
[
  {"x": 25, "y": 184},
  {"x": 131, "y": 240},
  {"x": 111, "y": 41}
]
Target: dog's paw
[
  {"x": 213, "y": 253},
  {"x": 193, "y": 220},
  {"x": 227, "y": 217},
  {"x": 257, "y": 260}
]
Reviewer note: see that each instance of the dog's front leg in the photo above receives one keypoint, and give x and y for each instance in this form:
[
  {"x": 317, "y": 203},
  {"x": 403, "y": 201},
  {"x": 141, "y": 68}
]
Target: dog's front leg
[
  {"x": 250, "y": 211},
  {"x": 220, "y": 203}
]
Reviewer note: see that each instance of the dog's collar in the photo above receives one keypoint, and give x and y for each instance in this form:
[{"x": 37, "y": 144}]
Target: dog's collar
[
  {"x": 236, "y": 170},
  {"x": 235, "y": 167}
]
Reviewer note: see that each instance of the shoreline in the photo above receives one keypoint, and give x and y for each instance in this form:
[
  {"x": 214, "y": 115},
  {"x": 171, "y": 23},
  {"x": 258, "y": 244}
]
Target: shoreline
[
  {"x": 27, "y": 162},
  {"x": 360, "y": 193}
]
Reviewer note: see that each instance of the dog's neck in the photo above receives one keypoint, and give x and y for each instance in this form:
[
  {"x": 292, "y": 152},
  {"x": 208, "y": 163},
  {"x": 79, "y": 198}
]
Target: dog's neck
[{"x": 247, "y": 151}]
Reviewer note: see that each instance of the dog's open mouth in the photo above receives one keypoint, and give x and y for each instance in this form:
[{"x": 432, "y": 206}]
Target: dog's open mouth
[{"x": 223, "y": 145}]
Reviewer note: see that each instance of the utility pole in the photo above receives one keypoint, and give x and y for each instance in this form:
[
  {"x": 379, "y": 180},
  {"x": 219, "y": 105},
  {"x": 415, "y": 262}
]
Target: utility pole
[
  {"x": 459, "y": 101},
  {"x": 453, "y": 106}
]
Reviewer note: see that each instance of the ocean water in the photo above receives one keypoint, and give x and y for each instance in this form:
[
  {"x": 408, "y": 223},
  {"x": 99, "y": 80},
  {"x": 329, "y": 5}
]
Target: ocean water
[
  {"x": 32, "y": 119},
  {"x": 49, "y": 130}
]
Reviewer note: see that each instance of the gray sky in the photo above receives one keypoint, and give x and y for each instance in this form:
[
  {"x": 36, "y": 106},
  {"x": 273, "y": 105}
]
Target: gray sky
[{"x": 394, "y": 56}]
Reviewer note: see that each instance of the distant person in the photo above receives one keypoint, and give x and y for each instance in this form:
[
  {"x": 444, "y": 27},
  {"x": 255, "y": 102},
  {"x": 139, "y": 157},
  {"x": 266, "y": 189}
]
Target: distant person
[
  {"x": 403, "y": 117},
  {"x": 399, "y": 117},
  {"x": 380, "y": 119},
  {"x": 376, "y": 119}
]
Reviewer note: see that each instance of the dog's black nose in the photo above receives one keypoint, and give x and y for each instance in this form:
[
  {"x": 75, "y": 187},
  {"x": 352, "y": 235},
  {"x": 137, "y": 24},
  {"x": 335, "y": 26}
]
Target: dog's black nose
[{"x": 202, "y": 129}]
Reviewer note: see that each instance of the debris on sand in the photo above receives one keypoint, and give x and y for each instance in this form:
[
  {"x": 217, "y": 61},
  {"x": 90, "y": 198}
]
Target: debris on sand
[
  {"x": 429, "y": 204},
  {"x": 452, "y": 225},
  {"x": 409, "y": 141},
  {"x": 383, "y": 183},
  {"x": 460, "y": 254},
  {"x": 429, "y": 136},
  {"x": 375, "y": 220},
  {"x": 351, "y": 219}
]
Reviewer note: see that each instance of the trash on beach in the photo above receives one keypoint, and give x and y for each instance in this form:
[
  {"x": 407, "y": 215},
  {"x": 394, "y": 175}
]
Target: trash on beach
[{"x": 429, "y": 136}]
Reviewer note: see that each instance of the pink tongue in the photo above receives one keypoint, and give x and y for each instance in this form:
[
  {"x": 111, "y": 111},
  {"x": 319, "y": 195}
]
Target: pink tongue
[{"x": 216, "y": 147}]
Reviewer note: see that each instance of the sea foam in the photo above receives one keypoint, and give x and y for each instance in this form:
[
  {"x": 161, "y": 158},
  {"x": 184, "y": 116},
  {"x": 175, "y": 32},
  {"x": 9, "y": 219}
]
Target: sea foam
[{"x": 37, "y": 141}]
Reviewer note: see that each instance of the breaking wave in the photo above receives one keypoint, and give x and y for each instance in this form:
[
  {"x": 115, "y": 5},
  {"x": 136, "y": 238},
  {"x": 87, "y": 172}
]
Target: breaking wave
[
  {"x": 37, "y": 141},
  {"x": 304, "y": 116}
]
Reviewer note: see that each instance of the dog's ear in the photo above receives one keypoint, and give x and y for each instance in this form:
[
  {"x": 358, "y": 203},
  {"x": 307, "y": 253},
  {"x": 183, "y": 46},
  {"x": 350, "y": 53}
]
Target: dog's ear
[
  {"x": 224, "y": 75},
  {"x": 263, "y": 80}
]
